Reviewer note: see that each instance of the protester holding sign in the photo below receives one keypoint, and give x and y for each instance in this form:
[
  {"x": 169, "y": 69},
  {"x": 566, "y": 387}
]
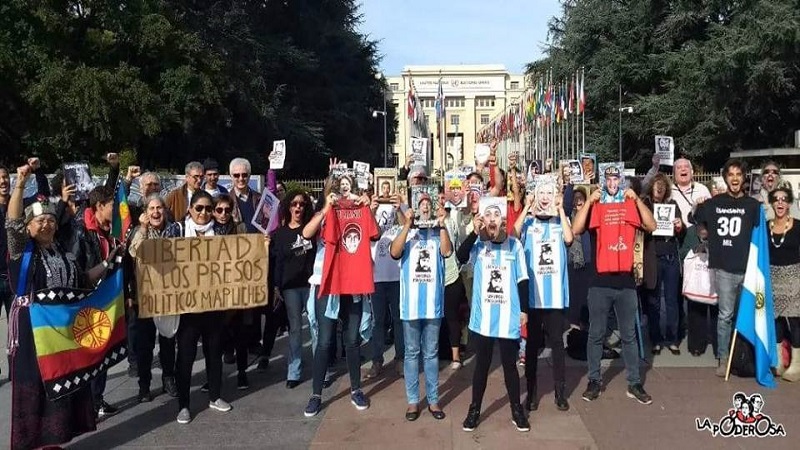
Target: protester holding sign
[
  {"x": 422, "y": 253},
  {"x": 545, "y": 239},
  {"x": 38, "y": 262},
  {"x": 293, "y": 257},
  {"x": 500, "y": 282},
  {"x": 205, "y": 325},
  {"x": 662, "y": 270},
  {"x": 153, "y": 224}
]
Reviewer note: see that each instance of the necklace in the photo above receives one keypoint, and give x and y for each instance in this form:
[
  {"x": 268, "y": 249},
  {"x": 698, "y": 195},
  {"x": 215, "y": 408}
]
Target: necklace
[{"x": 783, "y": 236}]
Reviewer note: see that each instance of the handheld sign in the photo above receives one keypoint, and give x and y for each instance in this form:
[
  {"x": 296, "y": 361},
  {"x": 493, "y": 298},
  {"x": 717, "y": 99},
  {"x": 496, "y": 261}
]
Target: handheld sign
[
  {"x": 612, "y": 182},
  {"x": 278, "y": 155},
  {"x": 419, "y": 151},
  {"x": 385, "y": 184},
  {"x": 424, "y": 202},
  {"x": 664, "y": 214},
  {"x": 545, "y": 191},
  {"x": 362, "y": 174},
  {"x": 665, "y": 149},
  {"x": 78, "y": 175},
  {"x": 482, "y": 152},
  {"x": 199, "y": 274},
  {"x": 266, "y": 217}
]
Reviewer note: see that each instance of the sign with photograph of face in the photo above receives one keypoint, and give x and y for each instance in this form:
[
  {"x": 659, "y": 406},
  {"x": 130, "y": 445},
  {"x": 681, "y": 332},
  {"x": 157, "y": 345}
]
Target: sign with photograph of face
[
  {"x": 385, "y": 184},
  {"x": 545, "y": 192},
  {"x": 494, "y": 211},
  {"x": 612, "y": 182},
  {"x": 665, "y": 149},
  {"x": 424, "y": 202},
  {"x": 455, "y": 189},
  {"x": 664, "y": 215},
  {"x": 589, "y": 167},
  {"x": 419, "y": 151}
]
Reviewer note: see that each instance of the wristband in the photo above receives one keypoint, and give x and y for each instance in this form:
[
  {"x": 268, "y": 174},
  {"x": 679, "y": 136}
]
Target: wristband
[{"x": 105, "y": 264}]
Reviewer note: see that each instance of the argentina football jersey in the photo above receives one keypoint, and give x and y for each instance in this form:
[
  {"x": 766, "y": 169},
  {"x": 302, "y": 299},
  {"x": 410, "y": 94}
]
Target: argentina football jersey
[
  {"x": 546, "y": 256},
  {"x": 422, "y": 276},
  {"x": 498, "y": 268}
]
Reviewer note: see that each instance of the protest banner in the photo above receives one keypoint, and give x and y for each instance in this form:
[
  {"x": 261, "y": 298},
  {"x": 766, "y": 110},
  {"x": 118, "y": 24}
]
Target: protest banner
[
  {"x": 363, "y": 178},
  {"x": 199, "y": 274},
  {"x": 545, "y": 191},
  {"x": 664, "y": 215},
  {"x": 612, "y": 182},
  {"x": 385, "y": 184},
  {"x": 265, "y": 218},
  {"x": 589, "y": 166},
  {"x": 424, "y": 202},
  {"x": 419, "y": 151},
  {"x": 455, "y": 189},
  {"x": 78, "y": 175},
  {"x": 482, "y": 153}
]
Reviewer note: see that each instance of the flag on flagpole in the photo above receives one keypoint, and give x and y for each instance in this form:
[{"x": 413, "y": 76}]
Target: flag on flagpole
[
  {"x": 440, "y": 111},
  {"x": 582, "y": 97},
  {"x": 755, "y": 320},
  {"x": 411, "y": 107},
  {"x": 121, "y": 215}
]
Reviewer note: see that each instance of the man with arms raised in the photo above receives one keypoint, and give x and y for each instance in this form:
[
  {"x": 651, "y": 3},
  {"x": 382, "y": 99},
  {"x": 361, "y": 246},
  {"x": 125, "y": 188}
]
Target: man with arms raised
[{"x": 729, "y": 219}]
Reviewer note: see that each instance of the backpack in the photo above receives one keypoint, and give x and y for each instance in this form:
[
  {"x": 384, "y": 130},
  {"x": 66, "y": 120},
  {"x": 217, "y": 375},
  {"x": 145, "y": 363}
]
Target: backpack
[
  {"x": 576, "y": 344},
  {"x": 698, "y": 280}
]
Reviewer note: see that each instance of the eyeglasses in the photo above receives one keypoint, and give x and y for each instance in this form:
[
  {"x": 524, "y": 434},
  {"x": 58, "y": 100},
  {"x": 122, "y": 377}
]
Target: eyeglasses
[
  {"x": 300, "y": 204},
  {"x": 771, "y": 171},
  {"x": 201, "y": 208},
  {"x": 223, "y": 210},
  {"x": 239, "y": 175},
  {"x": 781, "y": 200}
]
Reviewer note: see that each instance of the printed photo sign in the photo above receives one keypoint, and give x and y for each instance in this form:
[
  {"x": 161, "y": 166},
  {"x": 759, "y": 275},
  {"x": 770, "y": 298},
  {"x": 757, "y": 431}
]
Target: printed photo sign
[
  {"x": 665, "y": 149},
  {"x": 589, "y": 167},
  {"x": 664, "y": 214},
  {"x": 278, "y": 155},
  {"x": 545, "y": 191},
  {"x": 198, "y": 274},
  {"x": 361, "y": 170},
  {"x": 385, "y": 184},
  {"x": 424, "y": 202},
  {"x": 482, "y": 153},
  {"x": 455, "y": 189},
  {"x": 572, "y": 171},
  {"x": 612, "y": 182},
  {"x": 419, "y": 151},
  {"x": 266, "y": 217},
  {"x": 78, "y": 175},
  {"x": 494, "y": 210}
]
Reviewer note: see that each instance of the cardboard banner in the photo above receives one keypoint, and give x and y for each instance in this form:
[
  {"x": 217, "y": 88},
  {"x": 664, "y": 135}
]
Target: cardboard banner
[{"x": 199, "y": 274}]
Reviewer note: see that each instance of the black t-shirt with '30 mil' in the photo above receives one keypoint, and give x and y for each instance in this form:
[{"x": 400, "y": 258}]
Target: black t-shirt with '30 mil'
[{"x": 730, "y": 222}]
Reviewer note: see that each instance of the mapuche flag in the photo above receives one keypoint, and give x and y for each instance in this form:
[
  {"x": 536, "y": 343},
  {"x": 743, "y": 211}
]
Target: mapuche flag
[
  {"x": 121, "y": 215},
  {"x": 78, "y": 333}
]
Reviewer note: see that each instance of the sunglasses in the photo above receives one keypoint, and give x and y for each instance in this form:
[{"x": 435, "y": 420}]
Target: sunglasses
[
  {"x": 239, "y": 175},
  {"x": 201, "y": 208},
  {"x": 223, "y": 210},
  {"x": 781, "y": 200},
  {"x": 300, "y": 204}
]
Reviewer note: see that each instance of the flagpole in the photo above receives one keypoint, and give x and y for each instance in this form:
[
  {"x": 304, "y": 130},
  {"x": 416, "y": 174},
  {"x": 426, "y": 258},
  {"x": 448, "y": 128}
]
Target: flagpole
[
  {"x": 730, "y": 356},
  {"x": 583, "y": 110}
]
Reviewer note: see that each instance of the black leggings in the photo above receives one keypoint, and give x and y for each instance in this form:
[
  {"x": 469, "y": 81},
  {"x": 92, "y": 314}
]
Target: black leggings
[
  {"x": 455, "y": 295},
  {"x": 483, "y": 346},
  {"x": 145, "y": 343},
  {"x": 788, "y": 328},
  {"x": 541, "y": 323},
  {"x": 192, "y": 327},
  {"x": 350, "y": 314}
]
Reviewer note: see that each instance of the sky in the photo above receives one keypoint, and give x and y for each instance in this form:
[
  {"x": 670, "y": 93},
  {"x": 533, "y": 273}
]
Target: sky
[{"x": 422, "y": 32}]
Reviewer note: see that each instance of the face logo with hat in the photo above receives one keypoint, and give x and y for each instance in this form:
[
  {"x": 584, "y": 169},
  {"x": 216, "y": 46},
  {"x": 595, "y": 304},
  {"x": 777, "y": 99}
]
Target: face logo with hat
[
  {"x": 351, "y": 237},
  {"x": 612, "y": 178}
]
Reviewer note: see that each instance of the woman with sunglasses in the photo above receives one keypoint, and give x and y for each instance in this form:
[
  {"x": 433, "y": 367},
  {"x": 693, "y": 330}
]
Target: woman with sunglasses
[
  {"x": 784, "y": 259},
  {"x": 292, "y": 262},
  {"x": 238, "y": 320},
  {"x": 770, "y": 180},
  {"x": 205, "y": 325}
]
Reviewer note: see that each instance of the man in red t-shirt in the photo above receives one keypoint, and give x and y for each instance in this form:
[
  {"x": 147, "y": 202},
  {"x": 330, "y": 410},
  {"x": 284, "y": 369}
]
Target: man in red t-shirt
[
  {"x": 614, "y": 225},
  {"x": 347, "y": 269}
]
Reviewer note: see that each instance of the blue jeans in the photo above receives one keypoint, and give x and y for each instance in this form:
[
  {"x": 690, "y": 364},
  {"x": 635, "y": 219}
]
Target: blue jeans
[
  {"x": 386, "y": 295},
  {"x": 625, "y": 304},
  {"x": 422, "y": 334},
  {"x": 295, "y": 299},
  {"x": 729, "y": 285},
  {"x": 668, "y": 277}
]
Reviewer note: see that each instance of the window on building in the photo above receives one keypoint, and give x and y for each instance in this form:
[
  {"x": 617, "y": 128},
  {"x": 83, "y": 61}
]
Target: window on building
[
  {"x": 515, "y": 85},
  {"x": 394, "y": 86},
  {"x": 484, "y": 102},
  {"x": 454, "y": 102},
  {"x": 427, "y": 102},
  {"x": 484, "y": 119},
  {"x": 454, "y": 119}
]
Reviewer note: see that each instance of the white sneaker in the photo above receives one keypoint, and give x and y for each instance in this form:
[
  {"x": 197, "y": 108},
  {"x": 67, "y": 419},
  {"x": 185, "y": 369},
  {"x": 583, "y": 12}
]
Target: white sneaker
[
  {"x": 184, "y": 416},
  {"x": 455, "y": 365},
  {"x": 220, "y": 405}
]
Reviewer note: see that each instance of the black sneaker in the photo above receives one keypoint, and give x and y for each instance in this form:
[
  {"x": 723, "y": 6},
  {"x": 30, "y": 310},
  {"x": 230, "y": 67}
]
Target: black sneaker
[
  {"x": 473, "y": 417},
  {"x": 263, "y": 364},
  {"x": 636, "y": 391},
  {"x": 561, "y": 397},
  {"x": 314, "y": 406},
  {"x": 144, "y": 396},
  {"x": 241, "y": 382},
  {"x": 169, "y": 386},
  {"x": 105, "y": 410},
  {"x": 592, "y": 391},
  {"x": 519, "y": 419}
]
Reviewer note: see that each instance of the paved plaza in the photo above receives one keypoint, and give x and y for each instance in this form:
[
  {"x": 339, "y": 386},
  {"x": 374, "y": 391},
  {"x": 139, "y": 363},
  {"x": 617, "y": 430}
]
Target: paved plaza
[{"x": 270, "y": 416}]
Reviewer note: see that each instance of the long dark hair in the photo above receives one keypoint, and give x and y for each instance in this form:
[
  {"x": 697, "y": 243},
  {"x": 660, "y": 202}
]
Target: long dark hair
[{"x": 308, "y": 209}]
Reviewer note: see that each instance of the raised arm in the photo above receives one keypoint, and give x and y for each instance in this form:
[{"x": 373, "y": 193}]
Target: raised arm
[
  {"x": 529, "y": 198},
  {"x": 312, "y": 227}
]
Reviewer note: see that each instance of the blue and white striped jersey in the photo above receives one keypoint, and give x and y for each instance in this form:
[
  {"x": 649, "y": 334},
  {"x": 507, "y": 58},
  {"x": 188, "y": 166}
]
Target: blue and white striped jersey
[
  {"x": 546, "y": 253},
  {"x": 422, "y": 276},
  {"x": 498, "y": 268}
]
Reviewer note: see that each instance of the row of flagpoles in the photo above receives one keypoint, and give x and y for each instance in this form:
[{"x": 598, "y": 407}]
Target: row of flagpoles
[{"x": 546, "y": 121}]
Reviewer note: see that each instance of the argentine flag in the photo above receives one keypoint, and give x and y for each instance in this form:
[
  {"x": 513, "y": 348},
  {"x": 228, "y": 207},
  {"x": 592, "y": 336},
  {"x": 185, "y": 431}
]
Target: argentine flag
[{"x": 755, "y": 320}]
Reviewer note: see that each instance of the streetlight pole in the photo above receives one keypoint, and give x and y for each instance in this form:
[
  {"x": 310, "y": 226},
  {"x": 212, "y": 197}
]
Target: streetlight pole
[
  {"x": 620, "y": 123},
  {"x": 379, "y": 76}
]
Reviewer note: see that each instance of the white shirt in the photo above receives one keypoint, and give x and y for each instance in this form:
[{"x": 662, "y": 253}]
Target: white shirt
[{"x": 687, "y": 199}]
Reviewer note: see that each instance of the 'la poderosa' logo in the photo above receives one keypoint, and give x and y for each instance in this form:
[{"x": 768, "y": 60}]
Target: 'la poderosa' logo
[{"x": 746, "y": 419}]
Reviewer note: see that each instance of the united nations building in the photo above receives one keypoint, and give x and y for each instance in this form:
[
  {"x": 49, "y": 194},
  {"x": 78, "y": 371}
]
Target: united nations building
[{"x": 474, "y": 95}]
